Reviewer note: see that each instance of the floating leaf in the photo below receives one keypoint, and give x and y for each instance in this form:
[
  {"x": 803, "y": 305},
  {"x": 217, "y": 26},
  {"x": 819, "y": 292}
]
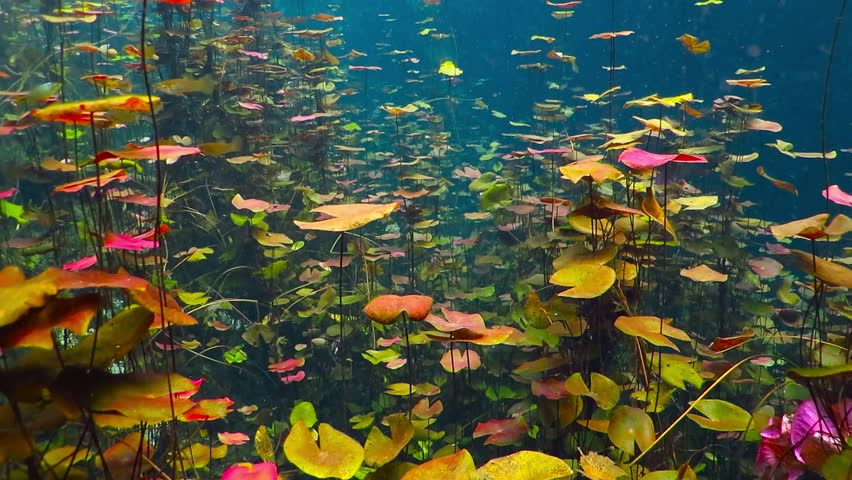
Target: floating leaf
[{"x": 337, "y": 455}]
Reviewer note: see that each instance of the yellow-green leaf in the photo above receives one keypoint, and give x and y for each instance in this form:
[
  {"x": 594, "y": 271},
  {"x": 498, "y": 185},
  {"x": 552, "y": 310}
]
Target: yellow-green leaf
[
  {"x": 524, "y": 465},
  {"x": 262, "y": 445},
  {"x": 588, "y": 280},
  {"x": 720, "y": 416},
  {"x": 339, "y": 456},
  {"x": 379, "y": 449},
  {"x": 629, "y": 425}
]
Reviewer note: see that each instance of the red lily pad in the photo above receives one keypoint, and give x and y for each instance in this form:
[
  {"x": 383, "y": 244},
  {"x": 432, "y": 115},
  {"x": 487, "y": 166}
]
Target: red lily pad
[{"x": 502, "y": 432}]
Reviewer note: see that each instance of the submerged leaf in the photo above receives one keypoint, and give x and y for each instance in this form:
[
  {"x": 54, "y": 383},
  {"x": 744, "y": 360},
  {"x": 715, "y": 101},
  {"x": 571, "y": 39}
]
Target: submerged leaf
[
  {"x": 721, "y": 416},
  {"x": 588, "y": 280},
  {"x": 629, "y": 425},
  {"x": 652, "y": 329},
  {"x": 458, "y": 466},
  {"x": 502, "y": 432},
  {"x": 599, "y": 467},
  {"x": 348, "y": 217},
  {"x": 379, "y": 449},
  {"x": 337, "y": 455},
  {"x": 825, "y": 270},
  {"x": 524, "y": 465},
  {"x": 386, "y": 309}
]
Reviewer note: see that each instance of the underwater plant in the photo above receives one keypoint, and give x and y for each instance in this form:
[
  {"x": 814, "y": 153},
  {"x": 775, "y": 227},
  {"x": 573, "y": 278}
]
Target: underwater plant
[{"x": 254, "y": 239}]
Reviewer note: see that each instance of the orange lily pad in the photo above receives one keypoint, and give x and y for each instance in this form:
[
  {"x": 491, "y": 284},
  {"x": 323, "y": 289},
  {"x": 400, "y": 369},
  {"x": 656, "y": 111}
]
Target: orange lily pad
[
  {"x": 810, "y": 228},
  {"x": 386, "y": 309},
  {"x": 19, "y": 294},
  {"x": 653, "y": 209},
  {"x": 34, "y": 329},
  {"x": 458, "y": 466},
  {"x": 100, "y": 180},
  {"x": 80, "y": 110},
  {"x": 703, "y": 273},
  {"x": 825, "y": 270},
  {"x": 455, "y": 360}
]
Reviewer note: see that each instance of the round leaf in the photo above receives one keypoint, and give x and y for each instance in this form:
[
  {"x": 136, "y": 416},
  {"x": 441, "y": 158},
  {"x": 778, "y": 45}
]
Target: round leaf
[{"x": 340, "y": 456}]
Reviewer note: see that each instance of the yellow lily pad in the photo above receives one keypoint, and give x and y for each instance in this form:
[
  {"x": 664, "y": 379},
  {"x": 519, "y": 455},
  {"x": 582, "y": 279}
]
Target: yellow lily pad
[{"x": 339, "y": 457}]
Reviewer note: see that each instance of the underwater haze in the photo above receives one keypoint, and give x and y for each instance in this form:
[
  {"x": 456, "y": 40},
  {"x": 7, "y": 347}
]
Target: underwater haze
[{"x": 425, "y": 239}]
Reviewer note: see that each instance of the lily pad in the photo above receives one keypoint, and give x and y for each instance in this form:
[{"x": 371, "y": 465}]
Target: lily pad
[{"x": 337, "y": 455}]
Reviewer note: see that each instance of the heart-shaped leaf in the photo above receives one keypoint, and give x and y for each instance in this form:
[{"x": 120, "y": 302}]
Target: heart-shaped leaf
[{"x": 337, "y": 455}]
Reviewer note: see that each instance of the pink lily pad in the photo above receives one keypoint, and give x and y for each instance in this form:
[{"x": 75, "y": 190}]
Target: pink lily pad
[
  {"x": 833, "y": 193},
  {"x": 120, "y": 241},
  {"x": 640, "y": 159},
  {"x": 80, "y": 264}
]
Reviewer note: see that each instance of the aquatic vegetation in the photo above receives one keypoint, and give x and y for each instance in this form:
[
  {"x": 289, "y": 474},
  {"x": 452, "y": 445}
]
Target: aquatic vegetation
[{"x": 233, "y": 247}]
